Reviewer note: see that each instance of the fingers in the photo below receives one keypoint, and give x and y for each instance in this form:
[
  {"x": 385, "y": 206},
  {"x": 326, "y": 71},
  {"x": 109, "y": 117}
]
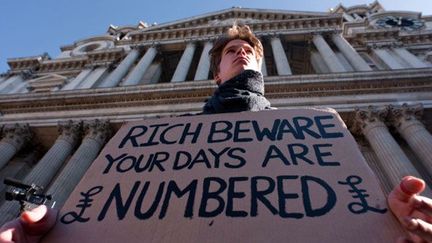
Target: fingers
[
  {"x": 6, "y": 236},
  {"x": 403, "y": 240},
  {"x": 8, "y": 230},
  {"x": 419, "y": 228},
  {"x": 38, "y": 221},
  {"x": 408, "y": 187},
  {"x": 422, "y": 204}
]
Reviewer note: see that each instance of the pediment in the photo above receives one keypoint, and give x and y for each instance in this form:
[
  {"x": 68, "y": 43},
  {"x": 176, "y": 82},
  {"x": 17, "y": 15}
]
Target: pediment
[
  {"x": 362, "y": 8},
  {"x": 47, "y": 82},
  {"x": 229, "y": 16}
]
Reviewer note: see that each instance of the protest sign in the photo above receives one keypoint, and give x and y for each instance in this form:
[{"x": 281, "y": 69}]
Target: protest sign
[{"x": 270, "y": 176}]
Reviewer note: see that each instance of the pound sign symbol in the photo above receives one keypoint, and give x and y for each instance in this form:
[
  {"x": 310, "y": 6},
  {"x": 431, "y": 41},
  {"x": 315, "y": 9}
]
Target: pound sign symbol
[
  {"x": 362, "y": 206},
  {"x": 83, "y": 204}
]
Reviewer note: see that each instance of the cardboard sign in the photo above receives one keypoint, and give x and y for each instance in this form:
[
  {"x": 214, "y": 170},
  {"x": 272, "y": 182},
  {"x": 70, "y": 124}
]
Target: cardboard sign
[{"x": 270, "y": 176}]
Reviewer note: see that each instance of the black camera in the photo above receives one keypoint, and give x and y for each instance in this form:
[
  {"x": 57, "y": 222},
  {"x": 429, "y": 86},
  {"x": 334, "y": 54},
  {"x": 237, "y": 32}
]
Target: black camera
[{"x": 24, "y": 193}]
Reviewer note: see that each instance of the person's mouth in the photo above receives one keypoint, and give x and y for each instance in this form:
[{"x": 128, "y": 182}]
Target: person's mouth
[{"x": 243, "y": 60}]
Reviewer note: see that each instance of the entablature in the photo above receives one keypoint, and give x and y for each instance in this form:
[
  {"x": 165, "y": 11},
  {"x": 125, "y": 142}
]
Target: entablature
[
  {"x": 70, "y": 63},
  {"x": 26, "y": 63},
  {"x": 47, "y": 83},
  {"x": 375, "y": 37},
  {"x": 309, "y": 24},
  {"x": 105, "y": 57},
  {"x": 210, "y": 19},
  {"x": 277, "y": 87},
  {"x": 44, "y": 65}
]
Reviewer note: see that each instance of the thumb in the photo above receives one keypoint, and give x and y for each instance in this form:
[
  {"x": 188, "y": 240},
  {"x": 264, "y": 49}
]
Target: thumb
[
  {"x": 408, "y": 187},
  {"x": 35, "y": 215},
  {"x": 38, "y": 221},
  {"x": 411, "y": 185}
]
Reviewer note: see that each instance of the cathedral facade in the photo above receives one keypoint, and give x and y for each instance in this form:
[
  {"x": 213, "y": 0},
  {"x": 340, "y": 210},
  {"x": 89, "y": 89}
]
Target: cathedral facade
[{"x": 371, "y": 65}]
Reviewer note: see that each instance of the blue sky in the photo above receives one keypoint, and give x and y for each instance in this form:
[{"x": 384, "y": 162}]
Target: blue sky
[{"x": 31, "y": 28}]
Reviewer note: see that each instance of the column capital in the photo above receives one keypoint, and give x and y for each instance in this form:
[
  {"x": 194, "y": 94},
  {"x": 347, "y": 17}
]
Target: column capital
[
  {"x": 274, "y": 36},
  {"x": 98, "y": 130},
  {"x": 209, "y": 40},
  {"x": 136, "y": 47},
  {"x": 26, "y": 74},
  {"x": 385, "y": 44},
  {"x": 70, "y": 131},
  {"x": 405, "y": 113},
  {"x": 325, "y": 33},
  {"x": 366, "y": 119},
  {"x": 156, "y": 45},
  {"x": 99, "y": 64},
  {"x": 190, "y": 41},
  {"x": 16, "y": 134}
]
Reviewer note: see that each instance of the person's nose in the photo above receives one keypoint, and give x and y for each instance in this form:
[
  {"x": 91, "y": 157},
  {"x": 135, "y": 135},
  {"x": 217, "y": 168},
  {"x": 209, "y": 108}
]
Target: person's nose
[{"x": 241, "y": 52}]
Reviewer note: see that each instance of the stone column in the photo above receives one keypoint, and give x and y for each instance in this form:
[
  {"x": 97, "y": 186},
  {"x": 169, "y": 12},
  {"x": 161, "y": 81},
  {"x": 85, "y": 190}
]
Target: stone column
[
  {"x": 16, "y": 169},
  {"x": 327, "y": 54},
  {"x": 122, "y": 69},
  {"x": 374, "y": 164},
  {"x": 357, "y": 17},
  {"x": 19, "y": 88},
  {"x": 388, "y": 59},
  {"x": 263, "y": 67},
  {"x": 48, "y": 166},
  {"x": 406, "y": 121},
  {"x": 53, "y": 160},
  {"x": 153, "y": 73},
  {"x": 350, "y": 54},
  {"x": 97, "y": 132},
  {"x": 78, "y": 79},
  {"x": 203, "y": 68},
  {"x": 410, "y": 58},
  {"x": 11, "y": 83},
  {"x": 347, "y": 17},
  {"x": 345, "y": 63},
  {"x": 138, "y": 72},
  {"x": 94, "y": 78},
  {"x": 14, "y": 138},
  {"x": 318, "y": 63},
  {"x": 184, "y": 63},
  {"x": 392, "y": 159},
  {"x": 280, "y": 57}
]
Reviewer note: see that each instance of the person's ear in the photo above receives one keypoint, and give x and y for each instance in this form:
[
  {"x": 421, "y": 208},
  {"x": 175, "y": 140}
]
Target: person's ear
[{"x": 217, "y": 79}]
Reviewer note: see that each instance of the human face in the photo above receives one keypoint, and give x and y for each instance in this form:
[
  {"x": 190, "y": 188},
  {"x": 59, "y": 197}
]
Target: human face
[{"x": 237, "y": 56}]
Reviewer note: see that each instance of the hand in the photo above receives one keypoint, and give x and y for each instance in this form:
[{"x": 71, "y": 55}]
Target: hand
[
  {"x": 30, "y": 227},
  {"x": 414, "y": 212}
]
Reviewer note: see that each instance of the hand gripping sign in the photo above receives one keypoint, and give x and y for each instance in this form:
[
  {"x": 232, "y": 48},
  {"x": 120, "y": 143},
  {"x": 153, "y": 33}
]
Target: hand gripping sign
[{"x": 270, "y": 176}]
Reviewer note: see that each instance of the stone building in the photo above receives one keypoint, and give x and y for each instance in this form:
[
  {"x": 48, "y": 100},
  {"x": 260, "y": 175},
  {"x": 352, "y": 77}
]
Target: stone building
[{"x": 373, "y": 66}]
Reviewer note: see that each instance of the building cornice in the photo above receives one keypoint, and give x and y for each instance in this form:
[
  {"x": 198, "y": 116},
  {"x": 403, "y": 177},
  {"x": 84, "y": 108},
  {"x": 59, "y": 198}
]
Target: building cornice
[
  {"x": 70, "y": 63},
  {"x": 378, "y": 35},
  {"x": 310, "y": 24},
  {"x": 26, "y": 63},
  {"x": 42, "y": 66},
  {"x": 236, "y": 12},
  {"x": 278, "y": 87}
]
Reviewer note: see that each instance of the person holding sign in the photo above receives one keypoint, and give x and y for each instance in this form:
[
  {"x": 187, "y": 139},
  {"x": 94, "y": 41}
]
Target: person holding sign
[{"x": 235, "y": 62}]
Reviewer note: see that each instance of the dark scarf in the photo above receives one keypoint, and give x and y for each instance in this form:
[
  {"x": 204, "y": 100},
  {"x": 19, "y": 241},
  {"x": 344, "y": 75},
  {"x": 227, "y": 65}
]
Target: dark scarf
[{"x": 244, "y": 92}]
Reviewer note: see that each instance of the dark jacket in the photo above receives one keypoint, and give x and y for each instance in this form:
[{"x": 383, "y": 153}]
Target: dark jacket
[{"x": 244, "y": 92}]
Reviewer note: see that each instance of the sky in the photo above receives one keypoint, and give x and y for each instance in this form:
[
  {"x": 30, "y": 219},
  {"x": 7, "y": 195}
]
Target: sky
[{"x": 30, "y": 28}]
